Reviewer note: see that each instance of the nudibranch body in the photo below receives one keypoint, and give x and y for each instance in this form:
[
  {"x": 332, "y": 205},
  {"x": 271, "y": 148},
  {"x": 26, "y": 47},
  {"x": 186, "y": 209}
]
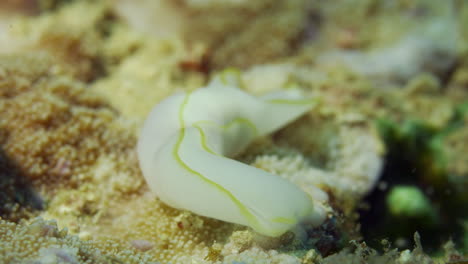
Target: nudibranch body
[{"x": 184, "y": 151}]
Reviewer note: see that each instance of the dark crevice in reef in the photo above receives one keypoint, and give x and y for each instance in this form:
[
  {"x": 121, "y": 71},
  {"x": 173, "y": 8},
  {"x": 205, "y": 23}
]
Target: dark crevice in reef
[
  {"x": 18, "y": 199},
  {"x": 412, "y": 161}
]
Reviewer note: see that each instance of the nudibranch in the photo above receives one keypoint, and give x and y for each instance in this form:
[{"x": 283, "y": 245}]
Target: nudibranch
[{"x": 184, "y": 151}]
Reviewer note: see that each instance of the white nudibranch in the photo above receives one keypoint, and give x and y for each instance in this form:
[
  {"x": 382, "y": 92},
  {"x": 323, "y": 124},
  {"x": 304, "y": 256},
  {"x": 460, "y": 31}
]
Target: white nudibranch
[{"x": 184, "y": 151}]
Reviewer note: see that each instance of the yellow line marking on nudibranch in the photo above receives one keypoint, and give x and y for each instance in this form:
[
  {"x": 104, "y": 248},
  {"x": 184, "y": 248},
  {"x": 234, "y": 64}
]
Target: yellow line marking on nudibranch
[
  {"x": 241, "y": 120},
  {"x": 203, "y": 141},
  {"x": 244, "y": 211},
  {"x": 235, "y": 121},
  {"x": 283, "y": 220},
  {"x": 223, "y": 128},
  {"x": 231, "y": 72}
]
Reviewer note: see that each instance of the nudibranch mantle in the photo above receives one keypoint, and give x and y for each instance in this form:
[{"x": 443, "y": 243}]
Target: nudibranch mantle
[{"x": 184, "y": 151}]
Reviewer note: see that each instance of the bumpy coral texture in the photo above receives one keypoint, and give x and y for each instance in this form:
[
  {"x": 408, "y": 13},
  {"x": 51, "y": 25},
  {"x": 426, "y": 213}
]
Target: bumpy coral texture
[
  {"x": 53, "y": 127},
  {"x": 79, "y": 157},
  {"x": 43, "y": 242}
]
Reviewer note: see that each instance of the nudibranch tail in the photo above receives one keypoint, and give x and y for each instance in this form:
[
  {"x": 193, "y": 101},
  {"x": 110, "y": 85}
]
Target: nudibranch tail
[{"x": 184, "y": 151}]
